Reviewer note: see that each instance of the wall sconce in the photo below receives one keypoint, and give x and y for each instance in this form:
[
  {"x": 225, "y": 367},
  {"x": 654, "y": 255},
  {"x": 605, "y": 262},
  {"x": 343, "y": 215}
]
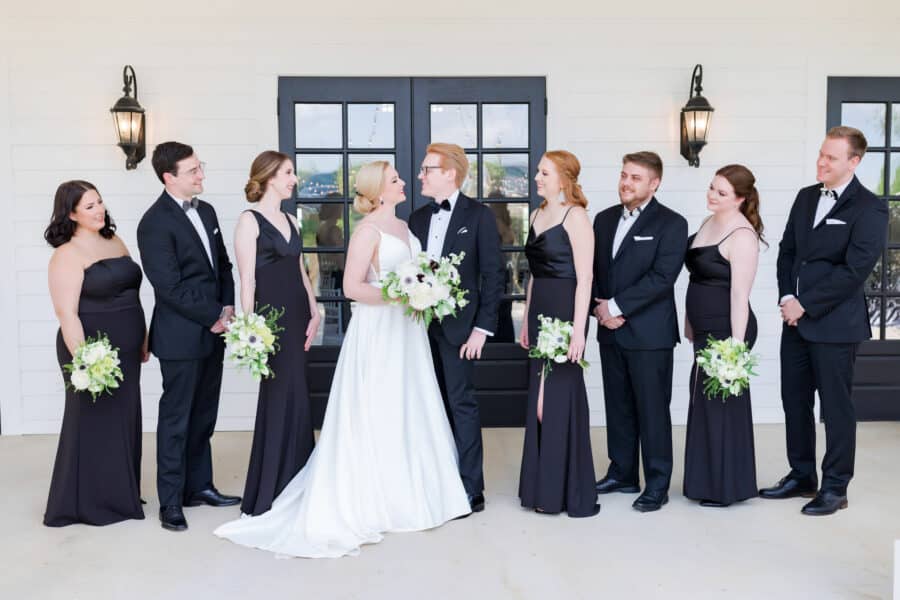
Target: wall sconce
[
  {"x": 130, "y": 122},
  {"x": 695, "y": 117}
]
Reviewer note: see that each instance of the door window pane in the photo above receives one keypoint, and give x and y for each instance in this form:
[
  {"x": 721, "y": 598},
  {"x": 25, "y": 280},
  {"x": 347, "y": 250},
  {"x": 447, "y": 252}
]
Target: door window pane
[
  {"x": 318, "y": 126},
  {"x": 893, "y": 271},
  {"x": 868, "y": 118},
  {"x": 370, "y": 125},
  {"x": 873, "y": 282},
  {"x": 504, "y": 126},
  {"x": 470, "y": 185},
  {"x": 874, "y": 307},
  {"x": 322, "y": 225},
  {"x": 891, "y": 319},
  {"x": 334, "y": 317},
  {"x": 326, "y": 273},
  {"x": 455, "y": 124},
  {"x": 358, "y": 160},
  {"x": 894, "y": 230},
  {"x": 512, "y": 222},
  {"x": 320, "y": 176},
  {"x": 894, "y": 171},
  {"x": 895, "y": 131},
  {"x": 516, "y": 267},
  {"x": 871, "y": 172},
  {"x": 505, "y": 176}
]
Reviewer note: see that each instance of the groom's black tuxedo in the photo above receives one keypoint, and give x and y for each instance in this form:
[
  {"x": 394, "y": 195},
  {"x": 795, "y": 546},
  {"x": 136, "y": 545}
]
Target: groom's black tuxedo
[
  {"x": 190, "y": 292},
  {"x": 825, "y": 267},
  {"x": 473, "y": 230},
  {"x": 636, "y": 358}
]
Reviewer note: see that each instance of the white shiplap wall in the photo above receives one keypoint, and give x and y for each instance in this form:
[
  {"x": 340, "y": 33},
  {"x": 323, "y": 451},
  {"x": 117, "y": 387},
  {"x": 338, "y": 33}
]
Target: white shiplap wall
[{"x": 616, "y": 80}]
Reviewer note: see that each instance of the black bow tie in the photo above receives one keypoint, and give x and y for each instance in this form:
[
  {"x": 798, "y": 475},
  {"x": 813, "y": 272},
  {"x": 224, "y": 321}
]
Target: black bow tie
[
  {"x": 435, "y": 207},
  {"x": 189, "y": 204},
  {"x": 830, "y": 193}
]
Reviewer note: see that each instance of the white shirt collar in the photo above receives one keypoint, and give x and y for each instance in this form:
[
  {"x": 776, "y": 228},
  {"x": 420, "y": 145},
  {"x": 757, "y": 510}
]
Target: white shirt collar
[
  {"x": 452, "y": 199},
  {"x": 176, "y": 199},
  {"x": 635, "y": 213},
  {"x": 839, "y": 189}
]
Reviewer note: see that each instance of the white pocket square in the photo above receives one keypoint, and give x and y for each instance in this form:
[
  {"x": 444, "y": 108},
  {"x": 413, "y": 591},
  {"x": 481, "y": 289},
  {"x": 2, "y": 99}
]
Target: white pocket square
[
  {"x": 835, "y": 222},
  {"x": 462, "y": 230},
  {"x": 215, "y": 231},
  {"x": 643, "y": 238}
]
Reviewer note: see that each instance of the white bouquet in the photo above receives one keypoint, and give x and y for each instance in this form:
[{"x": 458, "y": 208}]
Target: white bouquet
[
  {"x": 428, "y": 288},
  {"x": 553, "y": 340},
  {"x": 251, "y": 338},
  {"x": 95, "y": 367},
  {"x": 728, "y": 365}
]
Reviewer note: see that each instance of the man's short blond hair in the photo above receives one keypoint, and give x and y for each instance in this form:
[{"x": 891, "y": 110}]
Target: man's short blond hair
[{"x": 452, "y": 157}]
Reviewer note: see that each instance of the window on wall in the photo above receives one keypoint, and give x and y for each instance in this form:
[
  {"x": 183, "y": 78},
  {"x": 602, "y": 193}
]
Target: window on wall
[
  {"x": 872, "y": 105},
  {"x": 333, "y": 126}
]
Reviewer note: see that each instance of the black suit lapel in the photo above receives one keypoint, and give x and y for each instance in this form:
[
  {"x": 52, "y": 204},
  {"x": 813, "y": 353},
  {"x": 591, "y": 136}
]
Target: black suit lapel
[
  {"x": 460, "y": 212},
  {"x": 643, "y": 220},
  {"x": 209, "y": 226},
  {"x": 608, "y": 234},
  {"x": 181, "y": 217}
]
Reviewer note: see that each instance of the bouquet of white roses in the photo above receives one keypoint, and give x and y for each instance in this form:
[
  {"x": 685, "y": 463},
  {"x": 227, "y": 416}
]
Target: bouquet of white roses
[
  {"x": 428, "y": 288},
  {"x": 553, "y": 340},
  {"x": 251, "y": 338},
  {"x": 728, "y": 365},
  {"x": 95, "y": 367}
]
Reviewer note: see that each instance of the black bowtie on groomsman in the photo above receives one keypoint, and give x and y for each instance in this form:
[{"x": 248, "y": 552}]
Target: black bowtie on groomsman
[
  {"x": 638, "y": 255},
  {"x": 832, "y": 240}
]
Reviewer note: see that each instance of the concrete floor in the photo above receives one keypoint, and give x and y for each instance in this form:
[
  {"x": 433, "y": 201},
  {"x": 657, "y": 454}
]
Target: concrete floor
[{"x": 760, "y": 549}]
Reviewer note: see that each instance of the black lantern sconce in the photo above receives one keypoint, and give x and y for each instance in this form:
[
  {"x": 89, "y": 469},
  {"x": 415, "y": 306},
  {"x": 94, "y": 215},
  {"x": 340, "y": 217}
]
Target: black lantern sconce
[
  {"x": 130, "y": 121},
  {"x": 695, "y": 118}
]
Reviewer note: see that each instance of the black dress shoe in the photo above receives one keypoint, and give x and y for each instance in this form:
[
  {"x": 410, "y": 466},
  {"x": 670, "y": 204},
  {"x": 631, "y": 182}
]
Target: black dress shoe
[
  {"x": 650, "y": 500},
  {"x": 826, "y": 502},
  {"x": 608, "y": 484},
  {"x": 714, "y": 503},
  {"x": 212, "y": 497},
  {"x": 172, "y": 518},
  {"x": 790, "y": 487},
  {"x": 476, "y": 501}
]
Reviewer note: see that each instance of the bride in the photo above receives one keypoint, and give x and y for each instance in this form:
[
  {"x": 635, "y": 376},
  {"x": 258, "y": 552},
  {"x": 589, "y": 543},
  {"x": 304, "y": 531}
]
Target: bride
[{"x": 385, "y": 459}]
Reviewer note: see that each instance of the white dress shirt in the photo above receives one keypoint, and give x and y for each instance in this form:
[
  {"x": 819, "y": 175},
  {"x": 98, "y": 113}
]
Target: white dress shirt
[
  {"x": 826, "y": 203},
  {"x": 626, "y": 222},
  {"x": 437, "y": 233},
  {"x": 194, "y": 217}
]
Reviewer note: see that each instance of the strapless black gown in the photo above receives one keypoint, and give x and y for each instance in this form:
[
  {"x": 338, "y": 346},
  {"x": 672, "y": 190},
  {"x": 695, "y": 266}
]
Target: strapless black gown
[
  {"x": 283, "y": 434},
  {"x": 719, "y": 461},
  {"x": 97, "y": 474},
  {"x": 557, "y": 464}
]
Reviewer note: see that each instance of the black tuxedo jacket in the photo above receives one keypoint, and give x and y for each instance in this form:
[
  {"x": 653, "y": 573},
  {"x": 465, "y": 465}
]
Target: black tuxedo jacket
[
  {"x": 472, "y": 230},
  {"x": 190, "y": 292},
  {"x": 641, "y": 276},
  {"x": 826, "y": 266}
]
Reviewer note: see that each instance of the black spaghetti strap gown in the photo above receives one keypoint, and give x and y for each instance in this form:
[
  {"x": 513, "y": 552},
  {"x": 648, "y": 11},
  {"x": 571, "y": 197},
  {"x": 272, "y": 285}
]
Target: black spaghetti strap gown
[
  {"x": 283, "y": 433},
  {"x": 97, "y": 474},
  {"x": 557, "y": 464},
  {"x": 719, "y": 461}
]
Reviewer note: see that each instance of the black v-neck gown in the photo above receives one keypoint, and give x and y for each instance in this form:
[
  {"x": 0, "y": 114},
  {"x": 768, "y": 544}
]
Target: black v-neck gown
[
  {"x": 557, "y": 464},
  {"x": 719, "y": 461},
  {"x": 97, "y": 474},
  {"x": 283, "y": 434}
]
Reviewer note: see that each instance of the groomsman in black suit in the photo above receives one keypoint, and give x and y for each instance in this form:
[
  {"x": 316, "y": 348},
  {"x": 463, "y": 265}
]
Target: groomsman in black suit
[
  {"x": 639, "y": 251},
  {"x": 184, "y": 257},
  {"x": 835, "y": 234},
  {"x": 450, "y": 224}
]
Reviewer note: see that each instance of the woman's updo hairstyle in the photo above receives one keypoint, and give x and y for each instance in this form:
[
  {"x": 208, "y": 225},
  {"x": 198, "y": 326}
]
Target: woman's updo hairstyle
[
  {"x": 568, "y": 168},
  {"x": 264, "y": 168},
  {"x": 369, "y": 185},
  {"x": 744, "y": 184}
]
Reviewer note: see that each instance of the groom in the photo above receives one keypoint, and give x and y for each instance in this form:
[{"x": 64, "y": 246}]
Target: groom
[
  {"x": 455, "y": 223},
  {"x": 185, "y": 260}
]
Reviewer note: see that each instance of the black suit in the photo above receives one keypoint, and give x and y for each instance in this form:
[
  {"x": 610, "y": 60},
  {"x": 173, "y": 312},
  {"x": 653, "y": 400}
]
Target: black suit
[
  {"x": 825, "y": 267},
  {"x": 636, "y": 358},
  {"x": 190, "y": 294},
  {"x": 473, "y": 230}
]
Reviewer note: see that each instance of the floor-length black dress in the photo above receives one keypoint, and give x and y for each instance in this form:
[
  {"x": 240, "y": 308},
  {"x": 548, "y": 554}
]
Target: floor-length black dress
[
  {"x": 719, "y": 462},
  {"x": 557, "y": 465},
  {"x": 283, "y": 434},
  {"x": 97, "y": 474}
]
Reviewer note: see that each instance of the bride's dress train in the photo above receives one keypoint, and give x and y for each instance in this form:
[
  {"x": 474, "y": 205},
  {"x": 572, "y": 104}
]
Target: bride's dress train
[{"x": 385, "y": 460}]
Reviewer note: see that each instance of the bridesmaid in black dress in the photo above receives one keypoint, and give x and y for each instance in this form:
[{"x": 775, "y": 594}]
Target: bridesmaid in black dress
[
  {"x": 719, "y": 464},
  {"x": 268, "y": 250},
  {"x": 557, "y": 464},
  {"x": 94, "y": 286}
]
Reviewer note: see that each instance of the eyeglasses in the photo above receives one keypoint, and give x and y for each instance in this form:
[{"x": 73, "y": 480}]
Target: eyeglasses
[
  {"x": 201, "y": 168},
  {"x": 423, "y": 170}
]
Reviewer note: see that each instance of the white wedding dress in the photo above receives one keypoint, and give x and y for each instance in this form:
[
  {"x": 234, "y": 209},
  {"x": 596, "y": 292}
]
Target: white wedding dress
[{"x": 385, "y": 460}]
